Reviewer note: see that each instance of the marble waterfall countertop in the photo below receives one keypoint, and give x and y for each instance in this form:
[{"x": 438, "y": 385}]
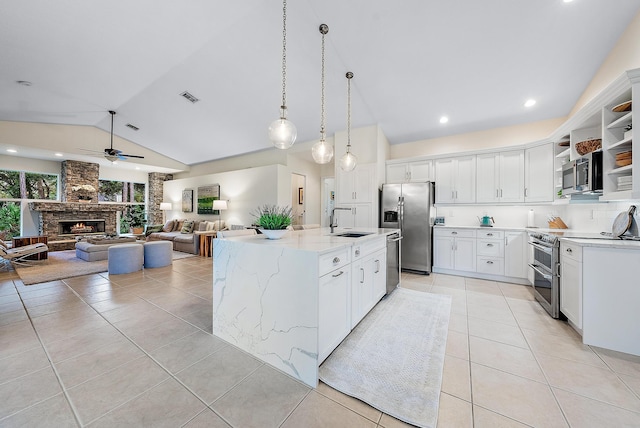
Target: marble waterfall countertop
[
  {"x": 266, "y": 293},
  {"x": 317, "y": 240}
]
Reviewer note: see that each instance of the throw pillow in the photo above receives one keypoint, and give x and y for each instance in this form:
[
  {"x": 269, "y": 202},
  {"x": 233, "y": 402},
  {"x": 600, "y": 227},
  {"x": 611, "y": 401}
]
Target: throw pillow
[
  {"x": 210, "y": 225},
  {"x": 178, "y": 226},
  {"x": 153, "y": 228},
  {"x": 168, "y": 226},
  {"x": 187, "y": 227}
]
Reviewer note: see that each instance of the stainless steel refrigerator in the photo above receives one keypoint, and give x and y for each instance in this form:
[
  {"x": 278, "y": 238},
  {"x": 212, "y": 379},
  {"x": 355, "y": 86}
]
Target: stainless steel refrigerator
[{"x": 409, "y": 207}]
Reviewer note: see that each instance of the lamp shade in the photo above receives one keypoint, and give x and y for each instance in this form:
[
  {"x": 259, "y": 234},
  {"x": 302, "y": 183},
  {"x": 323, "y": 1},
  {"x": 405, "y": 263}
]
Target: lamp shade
[
  {"x": 219, "y": 204},
  {"x": 166, "y": 206}
]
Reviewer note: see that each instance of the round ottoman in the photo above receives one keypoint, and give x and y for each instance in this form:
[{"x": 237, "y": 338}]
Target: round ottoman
[
  {"x": 158, "y": 254},
  {"x": 125, "y": 258}
]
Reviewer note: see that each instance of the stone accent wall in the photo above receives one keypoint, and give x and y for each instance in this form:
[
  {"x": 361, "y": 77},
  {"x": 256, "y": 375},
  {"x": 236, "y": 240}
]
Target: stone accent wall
[
  {"x": 76, "y": 179},
  {"x": 52, "y": 212},
  {"x": 156, "y": 194}
]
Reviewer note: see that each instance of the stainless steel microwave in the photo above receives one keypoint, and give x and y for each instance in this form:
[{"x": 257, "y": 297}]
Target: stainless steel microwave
[{"x": 583, "y": 175}]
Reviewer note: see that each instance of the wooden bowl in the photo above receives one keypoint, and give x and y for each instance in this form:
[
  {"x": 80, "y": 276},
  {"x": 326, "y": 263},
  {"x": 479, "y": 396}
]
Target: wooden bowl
[{"x": 588, "y": 146}]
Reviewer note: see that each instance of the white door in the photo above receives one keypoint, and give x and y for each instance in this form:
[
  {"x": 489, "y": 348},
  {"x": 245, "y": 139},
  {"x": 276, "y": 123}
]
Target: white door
[
  {"x": 334, "y": 310},
  {"x": 396, "y": 173},
  {"x": 515, "y": 254},
  {"x": 465, "y": 254},
  {"x": 420, "y": 171},
  {"x": 297, "y": 198},
  {"x": 443, "y": 251}
]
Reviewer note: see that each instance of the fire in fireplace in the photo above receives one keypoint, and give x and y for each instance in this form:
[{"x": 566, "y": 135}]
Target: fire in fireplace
[{"x": 81, "y": 227}]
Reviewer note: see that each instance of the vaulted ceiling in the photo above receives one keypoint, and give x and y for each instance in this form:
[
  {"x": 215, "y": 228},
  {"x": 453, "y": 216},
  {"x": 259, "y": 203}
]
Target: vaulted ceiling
[{"x": 414, "y": 61}]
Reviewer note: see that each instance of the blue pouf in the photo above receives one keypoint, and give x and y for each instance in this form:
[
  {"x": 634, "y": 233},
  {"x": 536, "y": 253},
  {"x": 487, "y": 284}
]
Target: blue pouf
[
  {"x": 158, "y": 254},
  {"x": 125, "y": 258}
]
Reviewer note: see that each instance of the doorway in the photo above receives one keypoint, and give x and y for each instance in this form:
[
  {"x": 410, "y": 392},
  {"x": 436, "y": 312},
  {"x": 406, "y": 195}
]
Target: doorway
[
  {"x": 298, "y": 182},
  {"x": 328, "y": 199}
]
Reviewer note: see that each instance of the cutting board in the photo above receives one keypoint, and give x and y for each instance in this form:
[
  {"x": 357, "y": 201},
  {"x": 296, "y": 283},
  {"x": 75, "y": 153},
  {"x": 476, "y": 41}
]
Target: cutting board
[{"x": 623, "y": 221}]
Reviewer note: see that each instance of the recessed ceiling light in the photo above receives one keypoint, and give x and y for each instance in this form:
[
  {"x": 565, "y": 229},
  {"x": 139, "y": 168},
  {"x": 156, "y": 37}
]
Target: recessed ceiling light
[
  {"x": 567, "y": 1},
  {"x": 12, "y": 150},
  {"x": 137, "y": 167},
  {"x": 530, "y": 103},
  {"x": 444, "y": 119},
  {"x": 59, "y": 155},
  {"x": 23, "y": 82}
]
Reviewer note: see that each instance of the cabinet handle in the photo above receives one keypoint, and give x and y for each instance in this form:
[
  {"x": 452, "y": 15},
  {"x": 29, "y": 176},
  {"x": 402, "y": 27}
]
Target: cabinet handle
[
  {"x": 362, "y": 271},
  {"x": 377, "y": 266},
  {"x": 526, "y": 192},
  {"x": 358, "y": 252},
  {"x": 453, "y": 195},
  {"x": 336, "y": 260},
  {"x": 456, "y": 194},
  {"x": 338, "y": 274},
  {"x": 489, "y": 234},
  {"x": 497, "y": 193},
  {"x": 569, "y": 250},
  {"x": 489, "y": 245},
  {"x": 489, "y": 262},
  {"x": 454, "y": 233},
  {"x": 500, "y": 192}
]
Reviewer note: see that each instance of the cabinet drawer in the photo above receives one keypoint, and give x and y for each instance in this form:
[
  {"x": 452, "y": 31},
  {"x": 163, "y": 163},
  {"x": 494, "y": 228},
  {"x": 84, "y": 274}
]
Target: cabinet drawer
[
  {"x": 334, "y": 260},
  {"x": 368, "y": 247},
  {"x": 490, "y": 247},
  {"x": 571, "y": 251},
  {"x": 456, "y": 233},
  {"x": 490, "y": 234},
  {"x": 490, "y": 265}
]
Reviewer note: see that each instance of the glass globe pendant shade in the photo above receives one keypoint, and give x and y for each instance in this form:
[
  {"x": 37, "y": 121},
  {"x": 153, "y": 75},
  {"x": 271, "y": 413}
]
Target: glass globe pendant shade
[
  {"x": 348, "y": 162},
  {"x": 282, "y": 133},
  {"x": 322, "y": 152}
]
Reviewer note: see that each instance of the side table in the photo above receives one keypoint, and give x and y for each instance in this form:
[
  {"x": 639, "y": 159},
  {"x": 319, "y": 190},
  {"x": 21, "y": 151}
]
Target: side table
[
  {"x": 21, "y": 241},
  {"x": 206, "y": 241}
]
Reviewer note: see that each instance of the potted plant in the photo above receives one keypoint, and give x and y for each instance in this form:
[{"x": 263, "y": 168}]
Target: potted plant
[
  {"x": 273, "y": 220},
  {"x": 134, "y": 218}
]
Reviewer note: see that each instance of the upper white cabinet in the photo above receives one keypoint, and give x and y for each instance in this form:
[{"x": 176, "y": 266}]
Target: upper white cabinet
[
  {"x": 357, "y": 185},
  {"x": 456, "y": 180},
  {"x": 410, "y": 172},
  {"x": 500, "y": 177},
  {"x": 539, "y": 174}
]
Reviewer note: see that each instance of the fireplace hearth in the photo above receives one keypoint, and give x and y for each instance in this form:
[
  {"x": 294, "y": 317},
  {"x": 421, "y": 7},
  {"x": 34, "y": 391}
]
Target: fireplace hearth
[{"x": 81, "y": 227}]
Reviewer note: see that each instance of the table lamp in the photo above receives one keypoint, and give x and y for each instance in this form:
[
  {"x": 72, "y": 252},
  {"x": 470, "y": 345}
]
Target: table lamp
[
  {"x": 164, "y": 207},
  {"x": 219, "y": 205}
]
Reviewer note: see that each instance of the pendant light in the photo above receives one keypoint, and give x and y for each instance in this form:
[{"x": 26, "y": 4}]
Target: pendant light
[
  {"x": 349, "y": 160},
  {"x": 321, "y": 151},
  {"x": 283, "y": 132}
]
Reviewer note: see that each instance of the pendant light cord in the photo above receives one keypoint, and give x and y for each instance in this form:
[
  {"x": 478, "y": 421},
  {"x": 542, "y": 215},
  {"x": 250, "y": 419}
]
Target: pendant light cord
[
  {"x": 349, "y": 76},
  {"x": 324, "y": 29},
  {"x": 284, "y": 55}
]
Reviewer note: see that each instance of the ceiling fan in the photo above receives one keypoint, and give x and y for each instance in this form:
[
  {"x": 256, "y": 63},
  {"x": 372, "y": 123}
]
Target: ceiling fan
[{"x": 112, "y": 154}]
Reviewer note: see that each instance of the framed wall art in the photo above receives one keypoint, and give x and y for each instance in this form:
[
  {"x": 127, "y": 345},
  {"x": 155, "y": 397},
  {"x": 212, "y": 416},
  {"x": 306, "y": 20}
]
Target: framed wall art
[
  {"x": 206, "y": 196},
  {"x": 187, "y": 200}
]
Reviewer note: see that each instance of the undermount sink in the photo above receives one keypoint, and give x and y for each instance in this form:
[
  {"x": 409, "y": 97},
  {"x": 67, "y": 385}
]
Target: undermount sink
[{"x": 353, "y": 234}]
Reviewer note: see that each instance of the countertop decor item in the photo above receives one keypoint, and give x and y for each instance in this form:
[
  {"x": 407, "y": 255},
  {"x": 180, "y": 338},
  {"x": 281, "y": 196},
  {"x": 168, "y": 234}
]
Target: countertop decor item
[
  {"x": 273, "y": 218},
  {"x": 556, "y": 223},
  {"x": 588, "y": 146},
  {"x": 623, "y": 222},
  {"x": 625, "y": 106}
]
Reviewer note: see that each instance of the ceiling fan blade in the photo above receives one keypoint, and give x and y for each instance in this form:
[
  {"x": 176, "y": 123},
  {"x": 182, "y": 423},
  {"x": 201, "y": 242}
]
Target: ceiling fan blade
[{"x": 131, "y": 156}]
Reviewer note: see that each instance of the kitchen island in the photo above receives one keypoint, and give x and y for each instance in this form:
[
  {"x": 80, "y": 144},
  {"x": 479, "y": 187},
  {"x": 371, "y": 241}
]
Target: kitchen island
[{"x": 290, "y": 302}]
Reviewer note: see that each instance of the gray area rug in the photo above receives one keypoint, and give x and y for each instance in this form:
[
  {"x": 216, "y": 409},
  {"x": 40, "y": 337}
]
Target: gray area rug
[
  {"x": 393, "y": 359},
  {"x": 65, "y": 264}
]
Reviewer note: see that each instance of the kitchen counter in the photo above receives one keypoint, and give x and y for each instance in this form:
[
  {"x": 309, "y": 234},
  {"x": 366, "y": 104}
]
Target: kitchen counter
[
  {"x": 605, "y": 243},
  {"x": 267, "y": 294},
  {"x": 516, "y": 229}
]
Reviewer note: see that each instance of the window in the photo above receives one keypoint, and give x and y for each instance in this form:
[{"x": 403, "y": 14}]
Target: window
[
  {"x": 9, "y": 219},
  {"x": 121, "y": 191},
  {"x": 28, "y": 185}
]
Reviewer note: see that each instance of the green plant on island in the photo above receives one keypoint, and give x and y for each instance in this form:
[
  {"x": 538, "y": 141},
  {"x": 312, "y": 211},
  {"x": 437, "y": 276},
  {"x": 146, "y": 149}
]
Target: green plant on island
[{"x": 272, "y": 217}]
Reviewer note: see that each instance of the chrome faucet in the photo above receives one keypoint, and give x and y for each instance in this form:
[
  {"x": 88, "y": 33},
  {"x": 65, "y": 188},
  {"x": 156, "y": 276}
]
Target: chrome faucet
[{"x": 333, "y": 216}]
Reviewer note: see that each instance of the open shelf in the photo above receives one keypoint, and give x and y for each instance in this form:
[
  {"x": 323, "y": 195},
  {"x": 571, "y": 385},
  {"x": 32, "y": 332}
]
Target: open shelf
[
  {"x": 616, "y": 196},
  {"x": 621, "y": 170},
  {"x": 564, "y": 153},
  {"x": 622, "y": 144},
  {"x": 621, "y": 122}
]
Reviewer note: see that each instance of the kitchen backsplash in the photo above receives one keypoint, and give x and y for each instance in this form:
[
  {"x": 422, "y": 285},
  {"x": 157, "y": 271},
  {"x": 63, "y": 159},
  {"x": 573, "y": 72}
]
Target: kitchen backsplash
[{"x": 586, "y": 217}]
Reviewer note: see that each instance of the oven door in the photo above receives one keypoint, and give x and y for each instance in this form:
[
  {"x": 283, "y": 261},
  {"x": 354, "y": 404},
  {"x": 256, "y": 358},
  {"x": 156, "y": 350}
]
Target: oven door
[{"x": 545, "y": 281}]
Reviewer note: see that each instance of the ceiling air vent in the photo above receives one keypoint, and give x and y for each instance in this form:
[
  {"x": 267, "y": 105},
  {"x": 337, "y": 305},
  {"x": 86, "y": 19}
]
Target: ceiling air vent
[
  {"x": 135, "y": 128},
  {"x": 189, "y": 97}
]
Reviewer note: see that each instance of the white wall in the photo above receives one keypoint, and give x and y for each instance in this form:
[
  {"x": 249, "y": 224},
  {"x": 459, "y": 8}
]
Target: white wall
[{"x": 244, "y": 189}]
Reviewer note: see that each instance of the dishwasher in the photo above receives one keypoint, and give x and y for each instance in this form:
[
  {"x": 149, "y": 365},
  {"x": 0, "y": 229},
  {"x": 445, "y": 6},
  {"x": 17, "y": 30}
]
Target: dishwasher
[{"x": 393, "y": 261}]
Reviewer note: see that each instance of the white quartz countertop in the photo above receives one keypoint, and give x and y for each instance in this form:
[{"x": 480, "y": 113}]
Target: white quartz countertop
[
  {"x": 604, "y": 243},
  {"x": 316, "y": 240},
  {"x": 518, "y": 229}
]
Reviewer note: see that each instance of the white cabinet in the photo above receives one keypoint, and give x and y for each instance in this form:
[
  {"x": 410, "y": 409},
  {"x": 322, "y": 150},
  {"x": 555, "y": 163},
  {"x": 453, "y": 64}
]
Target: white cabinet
[
  {"x": 571, "y": 282},
  {"x": 490, "y": 252},
  {"x": 368, "y": 284},
  {"x": 500, "y": 177},
  {"x": 356, "y": 186},
  {"x": 515, "y": 254},
  {"x": 456, "y": 180},
  {"x": 539, "y": 174},
  {"x": 454, "y": 249},
  {"x": 359, "y": 215},
  {"x": 334, "y": 310},
  {"x": 407, "y": 172}
]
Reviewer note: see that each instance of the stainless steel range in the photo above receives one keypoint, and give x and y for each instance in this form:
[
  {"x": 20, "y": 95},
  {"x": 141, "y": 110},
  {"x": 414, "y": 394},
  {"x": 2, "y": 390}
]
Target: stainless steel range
[{"x": 546, "y": 269}]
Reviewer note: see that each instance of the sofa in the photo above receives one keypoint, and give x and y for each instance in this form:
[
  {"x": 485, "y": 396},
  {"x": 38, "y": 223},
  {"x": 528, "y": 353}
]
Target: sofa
[
  {"x": 180, "y": 233},
  {"x": 94, "y": 249}
]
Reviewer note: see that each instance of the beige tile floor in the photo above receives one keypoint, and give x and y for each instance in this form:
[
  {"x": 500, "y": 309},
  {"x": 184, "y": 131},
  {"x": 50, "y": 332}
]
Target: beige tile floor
[{"x": 137, "y": 350}]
